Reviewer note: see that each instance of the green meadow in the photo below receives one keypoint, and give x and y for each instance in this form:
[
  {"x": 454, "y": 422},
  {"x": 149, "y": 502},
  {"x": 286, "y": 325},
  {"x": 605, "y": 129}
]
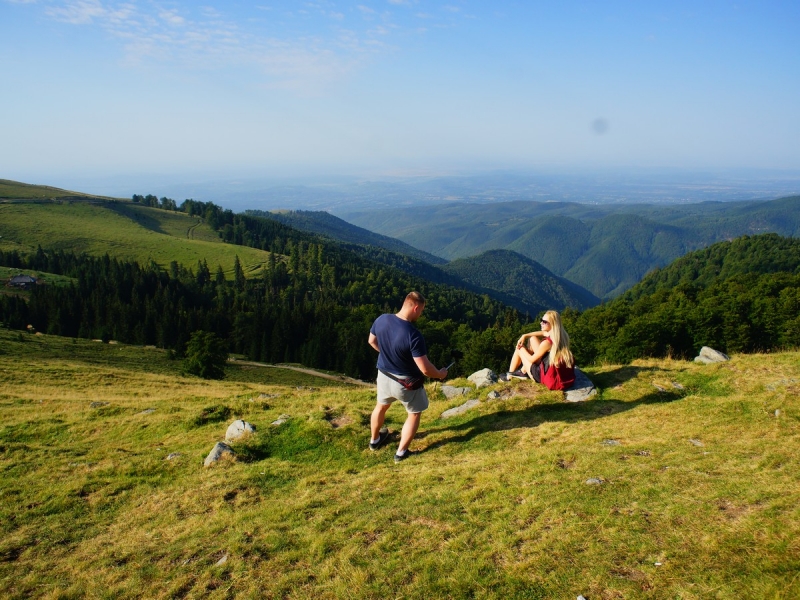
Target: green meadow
[
  {"x": 123, "y": 230},
  {"x": 678, "y": 480}
]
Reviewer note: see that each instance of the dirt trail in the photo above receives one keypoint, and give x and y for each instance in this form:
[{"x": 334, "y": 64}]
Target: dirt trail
[{"x": 342, "y": 378}]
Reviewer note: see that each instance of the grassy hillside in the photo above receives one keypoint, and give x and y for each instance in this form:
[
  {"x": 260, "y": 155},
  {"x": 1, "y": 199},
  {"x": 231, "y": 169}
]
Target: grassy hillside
[
  {"x": 522, "y": 279},
  {"x": 606, "y": 249},
  {"x": 698, "y": 493},
  {"x": 14, "y": 190},
  {"x": 123, "y": 230}
]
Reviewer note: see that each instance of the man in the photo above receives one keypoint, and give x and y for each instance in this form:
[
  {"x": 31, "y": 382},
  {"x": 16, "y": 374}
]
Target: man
[{"x": 402, "y": 355}]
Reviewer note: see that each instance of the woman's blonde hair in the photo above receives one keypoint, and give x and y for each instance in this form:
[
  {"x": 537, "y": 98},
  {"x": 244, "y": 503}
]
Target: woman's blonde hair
[{"x": 559, "y": 351}]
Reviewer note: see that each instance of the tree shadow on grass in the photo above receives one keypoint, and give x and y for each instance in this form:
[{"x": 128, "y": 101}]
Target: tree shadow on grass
[{"x": 536, "y": 415}]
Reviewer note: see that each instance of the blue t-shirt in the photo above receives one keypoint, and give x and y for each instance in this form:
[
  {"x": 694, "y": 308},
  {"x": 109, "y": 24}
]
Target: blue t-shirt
[{"x": 399, "y": 342}]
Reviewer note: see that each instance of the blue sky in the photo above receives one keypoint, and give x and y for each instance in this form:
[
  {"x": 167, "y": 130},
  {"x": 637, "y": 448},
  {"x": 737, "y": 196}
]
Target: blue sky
[{"x": 95, "y": 87}]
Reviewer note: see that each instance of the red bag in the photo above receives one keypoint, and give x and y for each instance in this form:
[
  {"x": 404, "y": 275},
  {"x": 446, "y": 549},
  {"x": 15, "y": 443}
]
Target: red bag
[{"x": 556, "y": 378}]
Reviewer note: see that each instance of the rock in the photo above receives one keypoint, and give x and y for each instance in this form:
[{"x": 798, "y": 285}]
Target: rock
[
  {"x": 493, "y": 395},
  {"x": 709, "y": 355},
  {"x": 147, "y": 411},
  {"x": 677, "y": 385},
  {"x": 98, "y": 404},
  {"x": 221, "y": 561},
  {"x": 695, "y": 442},
  {"x": 219, "y": 452},
  {"x": 581, "y": 390},
  {"x": 238, "y": 429},
  {"x": 281, "y": 420},
  {"x": 450, "y": 391},
  {"x": 659, "y": 388},
  {"x": 483, "y": 378},
  {"x": 595, "y": 481},
  {"x": 610, "y": 442},
  {"x": 173, "y": 455},
  {"x": 459, "y": 410}
]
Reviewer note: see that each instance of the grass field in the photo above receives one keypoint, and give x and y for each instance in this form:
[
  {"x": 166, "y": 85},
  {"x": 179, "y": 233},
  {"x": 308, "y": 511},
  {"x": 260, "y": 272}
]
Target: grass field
[
  {"x": 123, "y": 230},
  {"x": 698, "y": 494},
  {"x": 14, "y": 190}
]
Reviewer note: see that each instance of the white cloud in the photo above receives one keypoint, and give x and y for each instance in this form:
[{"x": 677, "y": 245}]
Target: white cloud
[
  {"x": 172, "y": 17},
  {"x": 202, "y": 38}
]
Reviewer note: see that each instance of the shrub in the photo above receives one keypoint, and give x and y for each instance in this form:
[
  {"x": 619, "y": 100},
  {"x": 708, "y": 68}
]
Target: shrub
[{"x": 206, "y": 356}]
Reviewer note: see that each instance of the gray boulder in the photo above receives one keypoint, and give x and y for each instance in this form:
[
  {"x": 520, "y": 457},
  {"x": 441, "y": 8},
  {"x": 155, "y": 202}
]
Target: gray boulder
[
  {"x": 709, "y": 355},
  {"x": 581, "y": 390},
  {"x": 238, "y": 429},
  {"x": 450, "y": 391},
  {"x": 459, "y": 410},
  {"x": 218, "y": 452},
  {"x": 281, "y": 420},
  {"x": 483, "y": 378}
]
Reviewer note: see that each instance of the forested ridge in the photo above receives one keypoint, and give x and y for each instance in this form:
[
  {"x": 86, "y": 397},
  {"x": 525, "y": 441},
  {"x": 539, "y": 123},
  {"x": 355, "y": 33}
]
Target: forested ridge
[
  {"x": 314, "y": 301},
  {"x": 737, "y": 296}
]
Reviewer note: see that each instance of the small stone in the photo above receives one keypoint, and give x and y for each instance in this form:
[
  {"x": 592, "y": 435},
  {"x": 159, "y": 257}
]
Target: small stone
[
  {"x": 493, "y": 395},
  {"x": 483, "y": 378},
  {"x": 221, "y": 561},
  {"x": 594, "y": 481},
  {"x": 98, "y": 404},
  {"x": 238, "y": 429},
  {"x": 696, "y": 442},
  {"x": 147, "y": 411},
  {"x": 218, "y": 452},
  {"x": 173, "y": 455},
  {"x": 459, "y": 410},
  {"x": 610, "y": 442},
  {"x": 677, "y": 385},
  {"x": 777, "y": 412},
  {"x": 281, "y": 420},
  {"x": 659, "y": 388},
  {"x": 658, "y": 564},
  {"x": 450, "y": 391}
]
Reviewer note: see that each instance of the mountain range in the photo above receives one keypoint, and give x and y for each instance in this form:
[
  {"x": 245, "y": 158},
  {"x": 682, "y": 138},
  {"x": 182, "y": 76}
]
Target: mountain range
[{"x": 603, "y": 248}]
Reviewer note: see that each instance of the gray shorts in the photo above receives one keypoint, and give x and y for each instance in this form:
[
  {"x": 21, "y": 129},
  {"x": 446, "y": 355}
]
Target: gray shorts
[{"x": 415, "y": 401}]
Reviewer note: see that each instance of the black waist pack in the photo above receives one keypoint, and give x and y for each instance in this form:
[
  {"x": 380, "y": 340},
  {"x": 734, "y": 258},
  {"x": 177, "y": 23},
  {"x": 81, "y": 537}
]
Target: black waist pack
[{"x": 409, "y": 383}]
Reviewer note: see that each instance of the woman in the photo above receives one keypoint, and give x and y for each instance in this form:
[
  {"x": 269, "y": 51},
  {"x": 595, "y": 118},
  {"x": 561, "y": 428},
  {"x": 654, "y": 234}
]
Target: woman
[{"x": 544, "y": 355}]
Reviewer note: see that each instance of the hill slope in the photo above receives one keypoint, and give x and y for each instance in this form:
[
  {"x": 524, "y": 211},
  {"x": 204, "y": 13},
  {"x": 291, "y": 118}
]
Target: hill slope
[
  {"x": 695, "y": 489},
  {"x": 324, "y": 223},
  {"x": 738, "y": 296},
  {"x": 123, "y": 230},
  {"x": 15, "y": 190},
  {"x": 606, "y": 249},
  {"x": 522, "y": 279}
]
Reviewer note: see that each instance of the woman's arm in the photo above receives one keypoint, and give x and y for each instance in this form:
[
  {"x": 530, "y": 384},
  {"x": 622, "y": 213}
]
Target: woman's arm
[{"x": 537, "y": 355}]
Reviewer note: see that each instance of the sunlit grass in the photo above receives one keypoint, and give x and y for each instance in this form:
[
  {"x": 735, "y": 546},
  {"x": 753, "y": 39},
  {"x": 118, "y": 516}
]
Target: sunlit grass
[
  {"x": 121, "y": 230},
  {"x": 698, "y": 495}
]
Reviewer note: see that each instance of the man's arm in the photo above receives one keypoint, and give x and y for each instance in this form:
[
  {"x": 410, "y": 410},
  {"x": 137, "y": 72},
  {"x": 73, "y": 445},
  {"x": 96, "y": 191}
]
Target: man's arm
[
  {"x": 427, "y": 368},
  {"x": 373, "y": 341}
]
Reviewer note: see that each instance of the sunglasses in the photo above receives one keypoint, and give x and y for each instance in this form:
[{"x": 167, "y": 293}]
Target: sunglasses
[{"x": 544, "y": 322}]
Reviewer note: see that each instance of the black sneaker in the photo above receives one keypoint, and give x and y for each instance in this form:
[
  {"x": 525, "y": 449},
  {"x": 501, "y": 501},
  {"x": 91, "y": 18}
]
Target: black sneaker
[
  {"x": 398, "y": 458},
  {"x": 518, "y": 374},
  {"x": 382, "y": 437}
]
